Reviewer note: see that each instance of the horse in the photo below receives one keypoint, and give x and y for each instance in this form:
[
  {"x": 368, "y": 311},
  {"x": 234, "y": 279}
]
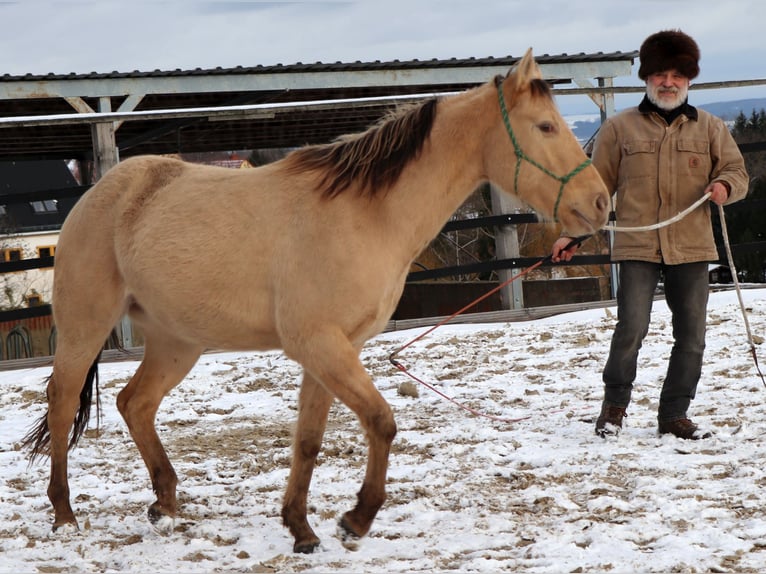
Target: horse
[{"x": 331, "y": 231}]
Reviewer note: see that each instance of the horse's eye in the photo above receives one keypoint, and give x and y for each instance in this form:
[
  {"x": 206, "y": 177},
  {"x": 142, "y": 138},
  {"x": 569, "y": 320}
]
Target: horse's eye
[{"x": 547, "y": 127}]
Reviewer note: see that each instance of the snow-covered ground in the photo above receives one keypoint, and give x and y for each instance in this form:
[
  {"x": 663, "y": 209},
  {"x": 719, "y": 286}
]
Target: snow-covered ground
[{"x": 466, "y": 493}]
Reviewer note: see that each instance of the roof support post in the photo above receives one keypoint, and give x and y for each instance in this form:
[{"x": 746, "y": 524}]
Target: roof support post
[
  {"x": 106, "y": 156},
  {"x": 105, "y": 152},
  {"x": 507, "y": 247},
  {"x": 608, "y": 110}
]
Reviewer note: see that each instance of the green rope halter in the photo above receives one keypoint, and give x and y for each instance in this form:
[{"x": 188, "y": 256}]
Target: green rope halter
[{"x": 520, "y": 155}]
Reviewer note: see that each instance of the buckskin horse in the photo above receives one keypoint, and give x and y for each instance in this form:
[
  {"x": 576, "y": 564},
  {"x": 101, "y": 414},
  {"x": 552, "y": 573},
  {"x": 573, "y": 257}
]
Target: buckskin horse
[{"x": 332, "y": 230}]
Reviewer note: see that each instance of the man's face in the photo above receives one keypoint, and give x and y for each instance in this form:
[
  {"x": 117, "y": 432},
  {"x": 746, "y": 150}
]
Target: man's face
[{"x": 667, "y": 90}]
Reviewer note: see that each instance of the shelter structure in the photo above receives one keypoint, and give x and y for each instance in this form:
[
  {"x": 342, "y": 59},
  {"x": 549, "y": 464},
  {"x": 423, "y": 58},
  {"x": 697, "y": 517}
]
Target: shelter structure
[{"x": 107, "y": 116}]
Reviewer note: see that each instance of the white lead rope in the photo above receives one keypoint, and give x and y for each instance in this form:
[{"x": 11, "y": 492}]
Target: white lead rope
[
  {"x": 732, "y": 268},
  {"x": 734, "y": 277},
  {"x": 665, "y": 223}
]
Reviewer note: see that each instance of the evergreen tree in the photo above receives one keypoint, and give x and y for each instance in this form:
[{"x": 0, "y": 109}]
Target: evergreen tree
[
  {"x": 745, "y": 220},
  {"x": 740, "y": 124}
]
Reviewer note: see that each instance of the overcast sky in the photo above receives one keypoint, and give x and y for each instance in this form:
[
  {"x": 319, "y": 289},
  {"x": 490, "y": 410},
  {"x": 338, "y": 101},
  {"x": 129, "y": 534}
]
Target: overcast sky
[{"x": 104, "y": 36}]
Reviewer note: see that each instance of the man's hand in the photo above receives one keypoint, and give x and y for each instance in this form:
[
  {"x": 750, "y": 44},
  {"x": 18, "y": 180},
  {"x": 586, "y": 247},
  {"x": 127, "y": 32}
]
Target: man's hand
[
  {"x": 719, "y": 193},
  {"x": 560, "y": 252}
]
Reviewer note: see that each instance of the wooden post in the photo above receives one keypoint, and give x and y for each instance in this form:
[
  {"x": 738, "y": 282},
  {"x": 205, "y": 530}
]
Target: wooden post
[
  {"x": 105, "y": 153},
  {"x": 607, "y": 110},
  {"x": 507, "y": 247},
  {"x": 106, "y": 156}
]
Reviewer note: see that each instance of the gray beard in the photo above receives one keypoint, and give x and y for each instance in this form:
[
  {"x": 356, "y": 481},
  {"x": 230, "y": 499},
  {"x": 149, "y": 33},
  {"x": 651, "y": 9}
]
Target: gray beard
[{"x": 681, "y": 95}]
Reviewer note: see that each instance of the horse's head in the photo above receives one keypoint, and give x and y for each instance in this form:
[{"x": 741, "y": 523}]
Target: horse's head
[{"x": 537, "y": 157}]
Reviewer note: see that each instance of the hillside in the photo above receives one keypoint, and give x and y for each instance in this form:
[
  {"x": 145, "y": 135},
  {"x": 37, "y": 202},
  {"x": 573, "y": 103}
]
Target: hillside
[{"x": 730, "y": 110}]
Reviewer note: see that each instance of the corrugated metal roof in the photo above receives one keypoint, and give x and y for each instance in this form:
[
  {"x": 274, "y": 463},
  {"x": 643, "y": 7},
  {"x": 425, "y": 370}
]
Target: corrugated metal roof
[{"x": 332, "y": 67}]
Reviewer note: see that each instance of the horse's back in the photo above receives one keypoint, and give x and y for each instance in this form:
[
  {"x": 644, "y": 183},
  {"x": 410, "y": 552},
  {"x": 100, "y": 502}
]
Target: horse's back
[
  {"x": 190, "y": 248},
  {"x": 146, "y": 203},
  {"x": 255, "y": 253}
]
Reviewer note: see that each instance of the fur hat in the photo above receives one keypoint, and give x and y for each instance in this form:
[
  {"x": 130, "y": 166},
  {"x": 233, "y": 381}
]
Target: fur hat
[{"x": 667, "y": 50}]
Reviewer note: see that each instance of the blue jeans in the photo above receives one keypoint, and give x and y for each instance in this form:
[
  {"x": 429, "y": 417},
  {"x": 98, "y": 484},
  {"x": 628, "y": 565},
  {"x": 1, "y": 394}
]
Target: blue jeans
[{"x": 686, "y": 294}]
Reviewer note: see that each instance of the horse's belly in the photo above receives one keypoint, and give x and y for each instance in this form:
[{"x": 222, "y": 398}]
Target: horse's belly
[{"x": 210, "y": 326}]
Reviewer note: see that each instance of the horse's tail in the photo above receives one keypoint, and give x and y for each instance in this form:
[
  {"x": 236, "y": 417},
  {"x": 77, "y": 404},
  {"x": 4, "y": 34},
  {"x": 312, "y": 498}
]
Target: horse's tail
[{"x": 37, "y": 440}]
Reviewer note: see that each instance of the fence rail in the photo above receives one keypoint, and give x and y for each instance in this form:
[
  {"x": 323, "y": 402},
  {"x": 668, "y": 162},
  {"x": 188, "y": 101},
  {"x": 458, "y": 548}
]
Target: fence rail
[{"x": 480, "y": 267}]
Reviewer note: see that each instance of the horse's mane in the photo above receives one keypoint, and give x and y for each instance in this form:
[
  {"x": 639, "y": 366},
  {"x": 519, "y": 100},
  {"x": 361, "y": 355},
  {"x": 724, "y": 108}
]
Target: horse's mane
[
  {"x": 540, "y": 87},
  {"x": 374, "y": 158}
]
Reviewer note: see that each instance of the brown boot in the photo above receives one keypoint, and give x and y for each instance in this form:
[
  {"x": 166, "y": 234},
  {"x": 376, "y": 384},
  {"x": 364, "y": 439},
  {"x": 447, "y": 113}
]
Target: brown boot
[
  {"x": 609, "y": 422},
  {"x": 683, "y": 428}
]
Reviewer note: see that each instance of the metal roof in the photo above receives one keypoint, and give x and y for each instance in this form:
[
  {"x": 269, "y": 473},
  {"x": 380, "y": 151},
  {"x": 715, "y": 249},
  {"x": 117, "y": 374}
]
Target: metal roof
[
  {"x": 505, "y": 61},
  {"x": 27, "y": 100}
]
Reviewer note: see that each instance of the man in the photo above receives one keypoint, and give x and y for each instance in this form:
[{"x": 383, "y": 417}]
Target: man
[{"x": 658, "y": 159}]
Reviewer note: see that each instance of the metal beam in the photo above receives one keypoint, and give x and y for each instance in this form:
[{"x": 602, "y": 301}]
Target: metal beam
[{"x": 250, "y": 111}]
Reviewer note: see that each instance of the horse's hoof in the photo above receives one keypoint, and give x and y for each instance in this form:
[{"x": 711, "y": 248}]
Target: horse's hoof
[
  {"x": 306, "y": 547},
  {"x": 64, "y": 529},
  {"x": 348, "y": 538},
  {"x": 161, "y": 521}
]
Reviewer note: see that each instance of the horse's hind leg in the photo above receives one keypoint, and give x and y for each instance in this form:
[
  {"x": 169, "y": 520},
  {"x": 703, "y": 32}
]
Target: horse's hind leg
[
  {"x": 83, "y": 322},
  {"x": 70, "y": 371},
  {"x": 166, "y": 362},
  {"x": 313, "y": 406}
]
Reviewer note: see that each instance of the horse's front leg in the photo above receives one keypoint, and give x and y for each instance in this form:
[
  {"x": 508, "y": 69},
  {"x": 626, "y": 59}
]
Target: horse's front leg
[
  {"x": 381, "y": 430},
  {"x": 335, "y": 362},
  {"x": 313, "y": 406}
]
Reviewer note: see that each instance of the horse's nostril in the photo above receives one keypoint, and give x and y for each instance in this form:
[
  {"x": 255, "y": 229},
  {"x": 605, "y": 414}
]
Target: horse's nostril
[{"x": 602, "y": 203}]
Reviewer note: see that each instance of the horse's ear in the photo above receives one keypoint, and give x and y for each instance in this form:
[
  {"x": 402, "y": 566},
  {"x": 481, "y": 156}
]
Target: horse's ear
[{"x": 525, "y": 71}]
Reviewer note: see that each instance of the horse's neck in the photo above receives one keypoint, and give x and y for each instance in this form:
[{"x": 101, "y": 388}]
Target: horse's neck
[{"x": 449, "y": 168}]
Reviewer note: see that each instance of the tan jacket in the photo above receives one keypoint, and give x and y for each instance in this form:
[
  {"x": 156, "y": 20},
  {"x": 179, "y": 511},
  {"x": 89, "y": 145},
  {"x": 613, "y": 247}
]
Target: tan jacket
[{"x": 657, "y": 171}]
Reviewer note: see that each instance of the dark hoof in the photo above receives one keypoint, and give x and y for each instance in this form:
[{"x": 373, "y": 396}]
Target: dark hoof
[
  {"x": 306, "y": 547},
  {"x": 155, "y": 514}
]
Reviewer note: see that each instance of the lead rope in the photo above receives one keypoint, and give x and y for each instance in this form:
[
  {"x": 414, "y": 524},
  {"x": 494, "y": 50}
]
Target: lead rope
[
  {"x": 577, "y": 241},
  {"x": 727, "y": 246},
  {"x": 396, "y": 363},
  {"x": 734, "y": 277},
  {"x": 661, "y": 224}
]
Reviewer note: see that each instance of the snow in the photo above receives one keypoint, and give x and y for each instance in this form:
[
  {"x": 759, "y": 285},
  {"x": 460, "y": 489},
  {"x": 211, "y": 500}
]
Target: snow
[{"x": 466, "y": 493}]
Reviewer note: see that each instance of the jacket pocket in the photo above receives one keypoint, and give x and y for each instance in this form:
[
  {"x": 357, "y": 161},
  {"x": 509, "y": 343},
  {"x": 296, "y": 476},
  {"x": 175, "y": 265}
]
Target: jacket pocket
[
  {"x": 639, "y": 146},
  {"x": 638, "y": 163},
  {"x": 694, "y": 146},
  {"x": 695, "y": 159}
]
